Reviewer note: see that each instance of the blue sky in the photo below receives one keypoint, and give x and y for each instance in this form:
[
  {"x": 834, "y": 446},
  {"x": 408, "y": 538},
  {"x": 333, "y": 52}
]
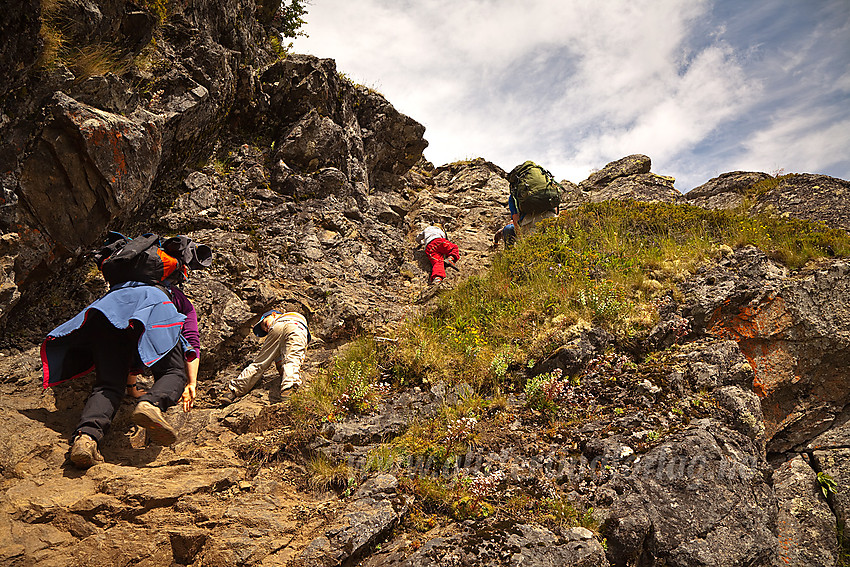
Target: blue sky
[{"x": 702, "y": 87}]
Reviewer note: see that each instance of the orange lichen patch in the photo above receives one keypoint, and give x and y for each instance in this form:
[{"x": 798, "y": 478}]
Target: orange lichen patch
[
  {"x": 119, "y": 160},
  {"x": 102, "y": 128},
  {"x": 109, "y": 135},
  {"x": 772, "y": 364},
  {"x": 756, "y": 329},
  {"x": 766, "y": 319}
]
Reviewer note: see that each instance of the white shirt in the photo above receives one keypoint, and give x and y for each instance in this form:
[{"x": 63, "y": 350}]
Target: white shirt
[{"x": 430, "y": 233}]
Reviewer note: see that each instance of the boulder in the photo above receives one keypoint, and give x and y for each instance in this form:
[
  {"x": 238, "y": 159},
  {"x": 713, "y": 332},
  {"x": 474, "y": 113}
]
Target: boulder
[
  {"x": 806, "y": 524},
  {"x": 810, "y": 197},
  {"x": 88, "y": 168},
  {"x": 636, "y": 164},
  {"x": 699, "y": 498},
  {"x": 522, "y": 544},
  {"x": 647, "y": 187},
  {"x": 785, "y": 327},
  {"x": 726, "y": 191},
  {"x": 376, "y": 509}
]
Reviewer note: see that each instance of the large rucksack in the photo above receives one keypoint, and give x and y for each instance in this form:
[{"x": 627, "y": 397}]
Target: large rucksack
[
  {"x": 534, "y": 189},
  {"x": 146, "y": 259}
]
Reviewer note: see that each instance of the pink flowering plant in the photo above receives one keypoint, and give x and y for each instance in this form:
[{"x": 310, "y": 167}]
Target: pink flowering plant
[
  {"x": 459, "y": 432},
  {"x": 358, "y": 392},
  {"x": 550, "y": 391},
  {"x": 473, "y": 492},
  {"x": 361, "y": 398}
]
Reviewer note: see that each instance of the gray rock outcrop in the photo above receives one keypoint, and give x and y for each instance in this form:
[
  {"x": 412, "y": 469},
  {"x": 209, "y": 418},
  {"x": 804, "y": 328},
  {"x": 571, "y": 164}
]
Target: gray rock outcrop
[
  {"x": 805, "y": 523},
  {"x": 783, "y": 325},
  {"x": 726, "y": 191},
  {"x": 800, "y": 195},
  {"x": 629, "y": 178},
  {"x": 810, "y": 197}
]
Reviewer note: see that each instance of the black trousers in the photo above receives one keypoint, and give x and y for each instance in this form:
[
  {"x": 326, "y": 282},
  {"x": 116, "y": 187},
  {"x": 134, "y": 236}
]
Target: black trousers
[{"x": 115, "y": 352}]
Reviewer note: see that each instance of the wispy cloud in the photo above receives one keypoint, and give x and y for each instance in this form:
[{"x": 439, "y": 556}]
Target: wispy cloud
[
  {"x": 577, "y": 84},
  {"x": 809, "y": 140}
]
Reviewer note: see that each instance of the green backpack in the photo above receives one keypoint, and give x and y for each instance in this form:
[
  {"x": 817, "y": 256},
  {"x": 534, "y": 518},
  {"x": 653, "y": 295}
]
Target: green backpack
[{"x": 534, "y": 189}]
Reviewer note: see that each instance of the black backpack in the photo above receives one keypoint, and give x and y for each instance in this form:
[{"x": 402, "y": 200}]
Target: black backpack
[
  {"x": 534, "y": 189},
  {"x": 148, "y": 260}
]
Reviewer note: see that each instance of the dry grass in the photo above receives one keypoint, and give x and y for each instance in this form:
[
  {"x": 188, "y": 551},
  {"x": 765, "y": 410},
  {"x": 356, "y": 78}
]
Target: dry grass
[
  {"x": 97, "y": 59},
  {"x": 326, "y": 475},
  {"x": 84, "y": 60}
]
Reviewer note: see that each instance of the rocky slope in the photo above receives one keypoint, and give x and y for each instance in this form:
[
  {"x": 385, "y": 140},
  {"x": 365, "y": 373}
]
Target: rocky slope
[{"x": 310, "y": 189}]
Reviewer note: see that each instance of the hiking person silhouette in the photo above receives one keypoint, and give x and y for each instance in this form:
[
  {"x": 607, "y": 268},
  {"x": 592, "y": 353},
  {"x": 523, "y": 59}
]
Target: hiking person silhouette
[{"x": 534, "y": 196}]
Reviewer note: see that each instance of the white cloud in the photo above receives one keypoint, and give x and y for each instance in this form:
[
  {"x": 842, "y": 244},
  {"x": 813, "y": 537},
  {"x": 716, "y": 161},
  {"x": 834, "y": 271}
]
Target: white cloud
[
  {"x": 576, "y": 84},
  {"x": 682, "y": 113},
  {"x": 797, "y": 141}
]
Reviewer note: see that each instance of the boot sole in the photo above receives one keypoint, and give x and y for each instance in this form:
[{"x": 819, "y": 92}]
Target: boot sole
[
  {"x": 159, "y": 431},
  {"x": 84, "y": 460}
]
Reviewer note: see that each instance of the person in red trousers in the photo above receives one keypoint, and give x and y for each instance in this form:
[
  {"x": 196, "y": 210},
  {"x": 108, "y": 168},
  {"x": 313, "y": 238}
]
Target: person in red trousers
[{"x": 440, "y": 251}]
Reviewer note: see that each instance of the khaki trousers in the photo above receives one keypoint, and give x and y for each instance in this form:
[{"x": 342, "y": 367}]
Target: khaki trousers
[
  {"x": 286, "y": 343},
  {"x": 535, "y": 218}
]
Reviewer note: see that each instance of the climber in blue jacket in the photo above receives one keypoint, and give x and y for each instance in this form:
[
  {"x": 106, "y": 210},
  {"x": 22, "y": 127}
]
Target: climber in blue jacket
[{"x": 134, "y": 325}]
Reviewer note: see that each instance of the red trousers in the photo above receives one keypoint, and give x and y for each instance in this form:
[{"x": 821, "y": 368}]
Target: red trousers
[{"x": 437, "y": 250}]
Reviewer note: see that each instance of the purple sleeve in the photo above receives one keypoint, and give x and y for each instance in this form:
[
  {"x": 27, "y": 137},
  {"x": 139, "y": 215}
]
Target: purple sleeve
[{"x": 190, "y": 327}]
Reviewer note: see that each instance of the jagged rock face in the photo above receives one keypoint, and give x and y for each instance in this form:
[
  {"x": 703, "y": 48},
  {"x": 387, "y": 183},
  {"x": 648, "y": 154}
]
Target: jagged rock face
[
  {"x": 21, "y": 44},
  {"x": 725, "y": 191},
  {"x": 469, "y": 200},
  {"x": 784, "y": 326},
  {"x": 810, "y": 197},
  {"x": 112, "y": 22},
  {"x": 325, "y": 204},
  {"x": 629, "y": 178},
  {"x": 321, "y": 120},
  {"x": 80, "y": 154}
]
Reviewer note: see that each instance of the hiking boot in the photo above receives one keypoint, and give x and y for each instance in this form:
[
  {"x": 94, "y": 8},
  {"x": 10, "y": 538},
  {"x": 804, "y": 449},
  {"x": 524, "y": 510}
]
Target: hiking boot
[
  {"x": 429, "y": 292},
  {"x": 451, "y": 264},
  {"x": 150, "y": 417},
  {"x": 227, "y": 398},
  {"x": 436, "y": 281},
  {"x": 275, "y": 390},
  {"x": 84, "y": 452}
]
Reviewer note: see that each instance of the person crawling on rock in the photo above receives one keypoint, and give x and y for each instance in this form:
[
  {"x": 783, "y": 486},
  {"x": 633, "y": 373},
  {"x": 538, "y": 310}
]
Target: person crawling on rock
[
  {"x": 135, "y": 325},
  {"x": 441, "y": 252},
  {"x": 286, "y": 338}
]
